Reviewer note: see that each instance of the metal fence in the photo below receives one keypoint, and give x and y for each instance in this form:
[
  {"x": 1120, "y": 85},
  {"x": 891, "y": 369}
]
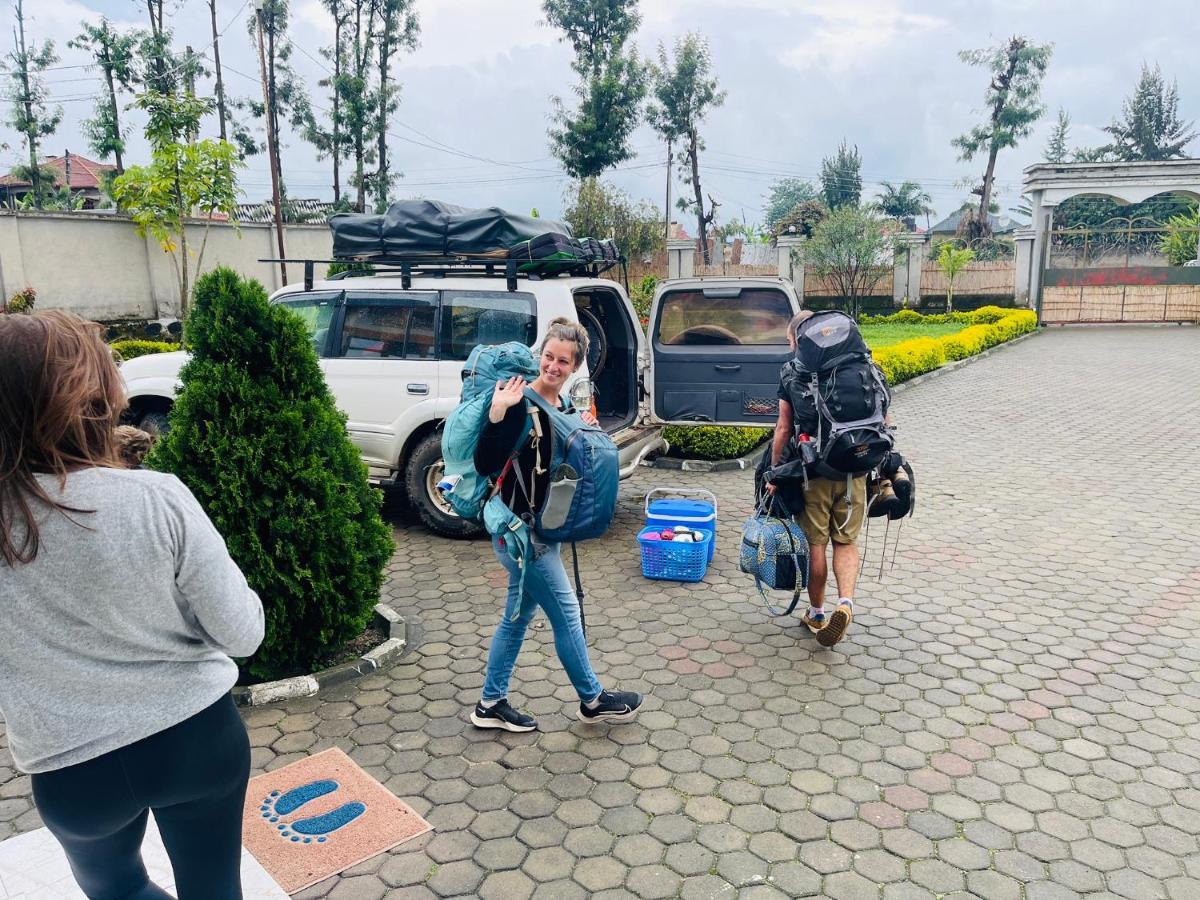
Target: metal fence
[{"x": 1116, "y": 243}]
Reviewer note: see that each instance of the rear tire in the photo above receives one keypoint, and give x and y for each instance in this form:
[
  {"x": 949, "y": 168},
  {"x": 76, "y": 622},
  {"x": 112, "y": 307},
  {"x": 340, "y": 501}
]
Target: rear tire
[{"x": 421, "y": 476}]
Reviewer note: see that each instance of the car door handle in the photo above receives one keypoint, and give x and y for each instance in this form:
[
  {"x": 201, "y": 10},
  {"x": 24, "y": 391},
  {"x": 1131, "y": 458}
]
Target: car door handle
[
  {"x": 418, "y": 389},
  {"x": 729, "y": 368}
]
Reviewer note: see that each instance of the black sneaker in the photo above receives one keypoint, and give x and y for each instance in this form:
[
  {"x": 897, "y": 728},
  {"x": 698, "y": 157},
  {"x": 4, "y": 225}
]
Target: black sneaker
[
  {"x": 614, "y": 706},
  {"x": 502, "y": 715}
]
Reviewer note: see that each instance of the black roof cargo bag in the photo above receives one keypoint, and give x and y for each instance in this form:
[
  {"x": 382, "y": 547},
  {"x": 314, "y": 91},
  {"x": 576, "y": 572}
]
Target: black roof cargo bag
[
  {"x": 356, "y": 235},
  {"x": 418, "y": 227},
  {"x": 431, "y": 228},
  {"x": 489, "y": 231}
]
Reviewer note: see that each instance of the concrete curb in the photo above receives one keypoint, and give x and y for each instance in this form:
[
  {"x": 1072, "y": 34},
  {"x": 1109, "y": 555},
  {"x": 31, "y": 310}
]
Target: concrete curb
[
  {"x": 309, "y": 685},
  {"x": 709, "y": 465},
  {"x": 751, "y": 460}
]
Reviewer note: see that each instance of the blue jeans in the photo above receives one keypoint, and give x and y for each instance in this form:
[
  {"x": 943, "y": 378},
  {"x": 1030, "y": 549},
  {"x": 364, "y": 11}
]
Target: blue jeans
[{"x": 546, "y": 585}]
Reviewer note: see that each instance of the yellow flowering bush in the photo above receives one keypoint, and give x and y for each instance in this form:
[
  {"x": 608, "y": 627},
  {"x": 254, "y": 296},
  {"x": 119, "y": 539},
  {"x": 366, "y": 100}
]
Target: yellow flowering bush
[{"x": 995, "y": 325}]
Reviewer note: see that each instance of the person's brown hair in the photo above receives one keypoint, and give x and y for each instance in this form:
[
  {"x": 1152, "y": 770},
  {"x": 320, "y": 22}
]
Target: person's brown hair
[
  {"x": 60, "y": 399},
  {"x": 563, "y": 329}
]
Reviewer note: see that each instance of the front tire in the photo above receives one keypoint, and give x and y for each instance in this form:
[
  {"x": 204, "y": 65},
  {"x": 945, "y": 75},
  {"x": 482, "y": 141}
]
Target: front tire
[{"x": 424, "y": 471}]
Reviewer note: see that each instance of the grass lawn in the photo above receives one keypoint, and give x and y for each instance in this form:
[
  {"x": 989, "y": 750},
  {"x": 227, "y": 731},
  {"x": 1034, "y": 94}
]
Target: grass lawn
[{"x": 878, "y": 336}]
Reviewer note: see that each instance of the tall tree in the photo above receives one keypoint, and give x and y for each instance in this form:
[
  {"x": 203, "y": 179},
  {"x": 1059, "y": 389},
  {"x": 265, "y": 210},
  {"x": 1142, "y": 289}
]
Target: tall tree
[
  {"x": 1150, "y": 127},
  {"x": 612, "y": 84},
  {"x": 1056, "y": 147},
  {"x": 114, "y": 54},
  {"x": 841, "y": 177},
  {"x": 1017, "y": 67},
  {"x": 29, "y": 113},
  {"x": 222, "y": 110},
  {"x": 286, "y": 98},
  {"x": 905, "y": 202},
  {"x": 784, "y": 196},
  {"x": 398, "y": 30},
  {"x": 357, "y": 93},
  {"x": 685, "y": 90},
  {"x": 331, "y": 140}
]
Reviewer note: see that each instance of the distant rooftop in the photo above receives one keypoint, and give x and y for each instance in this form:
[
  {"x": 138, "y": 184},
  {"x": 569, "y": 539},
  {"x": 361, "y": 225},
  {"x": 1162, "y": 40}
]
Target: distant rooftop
[{"x": 85, "y": 173}]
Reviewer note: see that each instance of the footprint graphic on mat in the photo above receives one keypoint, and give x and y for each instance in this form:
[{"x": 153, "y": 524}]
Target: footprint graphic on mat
[{"x": 278, "y": 806}]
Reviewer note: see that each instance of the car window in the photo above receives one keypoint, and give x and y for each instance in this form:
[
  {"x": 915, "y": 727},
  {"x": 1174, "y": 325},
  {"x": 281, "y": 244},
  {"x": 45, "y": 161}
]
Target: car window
[
  {"x": 485, "y": 317},
  {"x": 317, "y": 312},
  {"x": 388, "y": 327},
  {"x": 756, "y": 316}
]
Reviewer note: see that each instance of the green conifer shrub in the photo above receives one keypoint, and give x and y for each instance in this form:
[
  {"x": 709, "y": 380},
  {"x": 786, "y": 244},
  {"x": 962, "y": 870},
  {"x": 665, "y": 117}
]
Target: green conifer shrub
[{"x": 257, "y": 438}]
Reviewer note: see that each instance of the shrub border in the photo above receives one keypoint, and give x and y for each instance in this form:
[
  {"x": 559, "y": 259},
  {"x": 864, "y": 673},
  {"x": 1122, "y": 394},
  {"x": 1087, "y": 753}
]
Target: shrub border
[
  {"x": 374, "y": 660},
  {"x": 959, "y": 363}
]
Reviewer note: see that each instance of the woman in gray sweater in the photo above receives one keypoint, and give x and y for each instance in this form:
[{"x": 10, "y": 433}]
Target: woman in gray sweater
[{"x": 120, "y": 608}]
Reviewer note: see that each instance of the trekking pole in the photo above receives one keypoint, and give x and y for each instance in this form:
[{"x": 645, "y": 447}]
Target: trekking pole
[
  {"x": 578, "y": 587},
  {"x": 883, "y": 553},
  {"x": 896, "y": 546},
  {"x": 866, "y": 542}
]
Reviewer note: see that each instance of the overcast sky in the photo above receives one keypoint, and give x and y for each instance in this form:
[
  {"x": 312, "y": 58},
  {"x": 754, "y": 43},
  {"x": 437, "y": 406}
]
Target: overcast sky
[{"x": 800, "y": 76}]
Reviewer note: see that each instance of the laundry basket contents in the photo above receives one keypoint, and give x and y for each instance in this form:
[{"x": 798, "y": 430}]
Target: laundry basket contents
[
  {"x": 674, "y": 554},
  {"x": 689, "y": 507}
]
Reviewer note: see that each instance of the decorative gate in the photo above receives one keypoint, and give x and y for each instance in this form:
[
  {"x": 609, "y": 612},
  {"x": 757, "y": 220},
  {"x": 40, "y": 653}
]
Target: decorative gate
[{"x": 1118, "y": 272}]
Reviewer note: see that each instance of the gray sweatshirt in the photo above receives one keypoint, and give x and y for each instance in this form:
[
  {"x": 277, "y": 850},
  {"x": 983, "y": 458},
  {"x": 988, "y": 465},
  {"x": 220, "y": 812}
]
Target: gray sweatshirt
[{"x": 123, "y": 625}]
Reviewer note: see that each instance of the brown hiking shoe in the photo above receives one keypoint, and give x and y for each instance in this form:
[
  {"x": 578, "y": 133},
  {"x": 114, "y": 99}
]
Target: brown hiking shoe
[
  {"x": 884, "y": 500},
  {"x": 835, "y": 628}
]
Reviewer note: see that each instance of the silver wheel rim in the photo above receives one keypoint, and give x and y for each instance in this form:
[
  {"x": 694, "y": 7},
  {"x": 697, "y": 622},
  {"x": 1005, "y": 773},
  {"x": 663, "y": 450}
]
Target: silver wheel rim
[{"x": 433, "y": 475}]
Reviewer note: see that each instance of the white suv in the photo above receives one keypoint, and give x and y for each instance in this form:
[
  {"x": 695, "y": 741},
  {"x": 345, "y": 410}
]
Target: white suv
[{"x": 392, "y": 347}]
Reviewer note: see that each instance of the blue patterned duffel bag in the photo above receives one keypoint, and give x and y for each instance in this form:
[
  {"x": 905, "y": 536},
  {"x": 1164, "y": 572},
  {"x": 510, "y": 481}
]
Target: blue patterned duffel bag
[{"x": 775, "y": 551}]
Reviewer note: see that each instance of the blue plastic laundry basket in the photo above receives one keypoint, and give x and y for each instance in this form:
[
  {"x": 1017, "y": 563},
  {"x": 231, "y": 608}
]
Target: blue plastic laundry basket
[
  {"x": 674, "y": 508},
  {"x": 674, "y": 561}
]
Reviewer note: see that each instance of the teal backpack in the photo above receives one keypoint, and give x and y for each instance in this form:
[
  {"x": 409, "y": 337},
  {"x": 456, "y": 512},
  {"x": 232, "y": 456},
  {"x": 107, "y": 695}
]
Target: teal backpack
[{"x": 460, "y": 436}]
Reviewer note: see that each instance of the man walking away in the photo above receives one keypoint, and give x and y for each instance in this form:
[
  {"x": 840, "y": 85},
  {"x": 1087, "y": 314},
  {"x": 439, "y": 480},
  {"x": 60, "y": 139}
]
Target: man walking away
[{"x": 834, "y": 508}]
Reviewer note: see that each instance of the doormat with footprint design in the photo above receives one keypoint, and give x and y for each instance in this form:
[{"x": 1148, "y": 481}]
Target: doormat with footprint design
[{"x": 322, "y": 815}]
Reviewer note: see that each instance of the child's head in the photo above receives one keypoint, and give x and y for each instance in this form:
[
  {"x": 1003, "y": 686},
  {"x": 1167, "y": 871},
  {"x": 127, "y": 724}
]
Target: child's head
[{"x": 132, "y": 445}]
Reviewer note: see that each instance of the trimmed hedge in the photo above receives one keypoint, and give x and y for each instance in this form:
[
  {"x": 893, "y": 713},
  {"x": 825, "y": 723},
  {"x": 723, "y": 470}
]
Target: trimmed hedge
[
  {"x": 131, "y": 349},
  {"x": 985, "y": 315},
  {"x": 713, "y": 441},
  {"x": 908, "y": 359}
]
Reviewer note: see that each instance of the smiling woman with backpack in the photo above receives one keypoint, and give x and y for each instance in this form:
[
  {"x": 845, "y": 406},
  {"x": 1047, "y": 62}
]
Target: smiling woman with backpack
[{"x": 523, "y": 466}]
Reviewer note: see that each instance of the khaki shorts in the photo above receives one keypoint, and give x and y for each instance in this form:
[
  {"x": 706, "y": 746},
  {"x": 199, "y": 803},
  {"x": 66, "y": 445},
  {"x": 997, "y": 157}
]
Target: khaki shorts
[{"x": 825, "y": 510}]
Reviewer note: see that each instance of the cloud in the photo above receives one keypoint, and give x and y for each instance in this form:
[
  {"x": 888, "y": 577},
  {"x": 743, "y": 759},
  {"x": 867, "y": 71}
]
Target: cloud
[
  {"x": 846, "y": 33},
  {"x": 457, "y": 32}
]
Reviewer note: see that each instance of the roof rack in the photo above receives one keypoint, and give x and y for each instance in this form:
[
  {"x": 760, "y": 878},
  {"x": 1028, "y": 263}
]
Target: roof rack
[{"x": 441, "y": 266}]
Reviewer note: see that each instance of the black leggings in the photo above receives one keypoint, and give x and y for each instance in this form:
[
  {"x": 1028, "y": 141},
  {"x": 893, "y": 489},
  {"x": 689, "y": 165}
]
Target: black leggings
[{"x": 193, "y": 775}]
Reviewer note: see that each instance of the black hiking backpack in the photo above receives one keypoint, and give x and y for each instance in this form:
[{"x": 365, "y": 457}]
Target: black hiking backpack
[{"x": 833, "y": 379}]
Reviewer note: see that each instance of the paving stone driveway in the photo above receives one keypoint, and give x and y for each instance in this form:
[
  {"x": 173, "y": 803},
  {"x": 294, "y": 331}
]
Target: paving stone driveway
[{"x": 1015, "y": 714}]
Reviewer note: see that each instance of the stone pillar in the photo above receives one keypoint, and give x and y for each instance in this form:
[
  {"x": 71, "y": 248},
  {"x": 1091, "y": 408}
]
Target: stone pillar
[
  {"x": 1043, "y": 220},
  {"x": 790, "y": 248},
  {"x": 12, "y": 256},
  {"x": 681, "y": 258},
  {"x": 1023, "y": 239},
  {"x": 906, "y": 277}
]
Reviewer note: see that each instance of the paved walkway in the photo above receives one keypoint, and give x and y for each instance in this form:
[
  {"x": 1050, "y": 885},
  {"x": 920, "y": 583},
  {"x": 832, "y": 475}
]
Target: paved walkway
[{"x": 1015, "y": 714}]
